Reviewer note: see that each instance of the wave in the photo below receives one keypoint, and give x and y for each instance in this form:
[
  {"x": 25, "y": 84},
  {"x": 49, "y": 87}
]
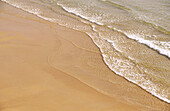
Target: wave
[{"x": 156, "y": 45}]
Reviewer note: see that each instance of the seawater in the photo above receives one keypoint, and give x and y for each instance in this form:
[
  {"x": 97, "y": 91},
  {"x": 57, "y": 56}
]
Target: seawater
[{"x": 132, "y": 35}]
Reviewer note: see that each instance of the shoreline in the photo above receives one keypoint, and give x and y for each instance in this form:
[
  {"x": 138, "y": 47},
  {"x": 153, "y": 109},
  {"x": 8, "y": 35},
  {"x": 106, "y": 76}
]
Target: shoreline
[{"x": 27, "y": 51}]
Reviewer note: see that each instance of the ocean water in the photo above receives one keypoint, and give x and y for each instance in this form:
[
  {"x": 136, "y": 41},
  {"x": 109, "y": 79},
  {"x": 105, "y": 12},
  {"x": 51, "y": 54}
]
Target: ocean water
[{"x": 132, "y": 35}]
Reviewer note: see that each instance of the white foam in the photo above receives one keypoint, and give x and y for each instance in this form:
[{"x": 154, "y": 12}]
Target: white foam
[
  {"x": 131, "y": 76},
  {"x": 79, "y": 13},
  {"x": 30, "y": 9},
  {"x": 161, "y": 46}
]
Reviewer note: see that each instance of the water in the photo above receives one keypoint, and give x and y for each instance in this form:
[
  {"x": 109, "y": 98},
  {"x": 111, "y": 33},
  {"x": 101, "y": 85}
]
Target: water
[{"x": 132, "y": 35}]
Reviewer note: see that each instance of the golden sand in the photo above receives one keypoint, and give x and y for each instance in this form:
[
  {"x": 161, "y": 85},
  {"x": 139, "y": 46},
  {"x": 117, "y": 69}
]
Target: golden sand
[{"x": 42, "y": 65}]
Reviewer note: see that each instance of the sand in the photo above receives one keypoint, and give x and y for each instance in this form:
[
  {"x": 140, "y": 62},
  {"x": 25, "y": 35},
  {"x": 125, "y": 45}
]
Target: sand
[{"x": 47, "y": 67}]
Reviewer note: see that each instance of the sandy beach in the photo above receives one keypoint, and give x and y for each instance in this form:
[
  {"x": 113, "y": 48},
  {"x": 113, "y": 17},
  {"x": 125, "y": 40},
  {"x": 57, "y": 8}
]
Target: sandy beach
[{"x": 47, "y": 67}]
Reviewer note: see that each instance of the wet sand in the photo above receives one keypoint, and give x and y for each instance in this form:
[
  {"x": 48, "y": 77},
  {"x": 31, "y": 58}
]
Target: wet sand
[{"x": 47, "y": 67}]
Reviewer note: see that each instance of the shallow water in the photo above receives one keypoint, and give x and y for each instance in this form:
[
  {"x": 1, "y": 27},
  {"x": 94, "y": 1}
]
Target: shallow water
[{"x": 132, "y": 35}]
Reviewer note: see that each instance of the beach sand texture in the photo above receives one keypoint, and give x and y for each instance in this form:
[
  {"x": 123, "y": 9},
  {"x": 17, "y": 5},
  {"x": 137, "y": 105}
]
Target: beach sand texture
[{"x": 47, "y": 67}]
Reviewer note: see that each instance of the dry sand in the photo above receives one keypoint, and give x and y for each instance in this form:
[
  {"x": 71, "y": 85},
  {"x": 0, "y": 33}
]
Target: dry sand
[{"x": 46, "y": 67}]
